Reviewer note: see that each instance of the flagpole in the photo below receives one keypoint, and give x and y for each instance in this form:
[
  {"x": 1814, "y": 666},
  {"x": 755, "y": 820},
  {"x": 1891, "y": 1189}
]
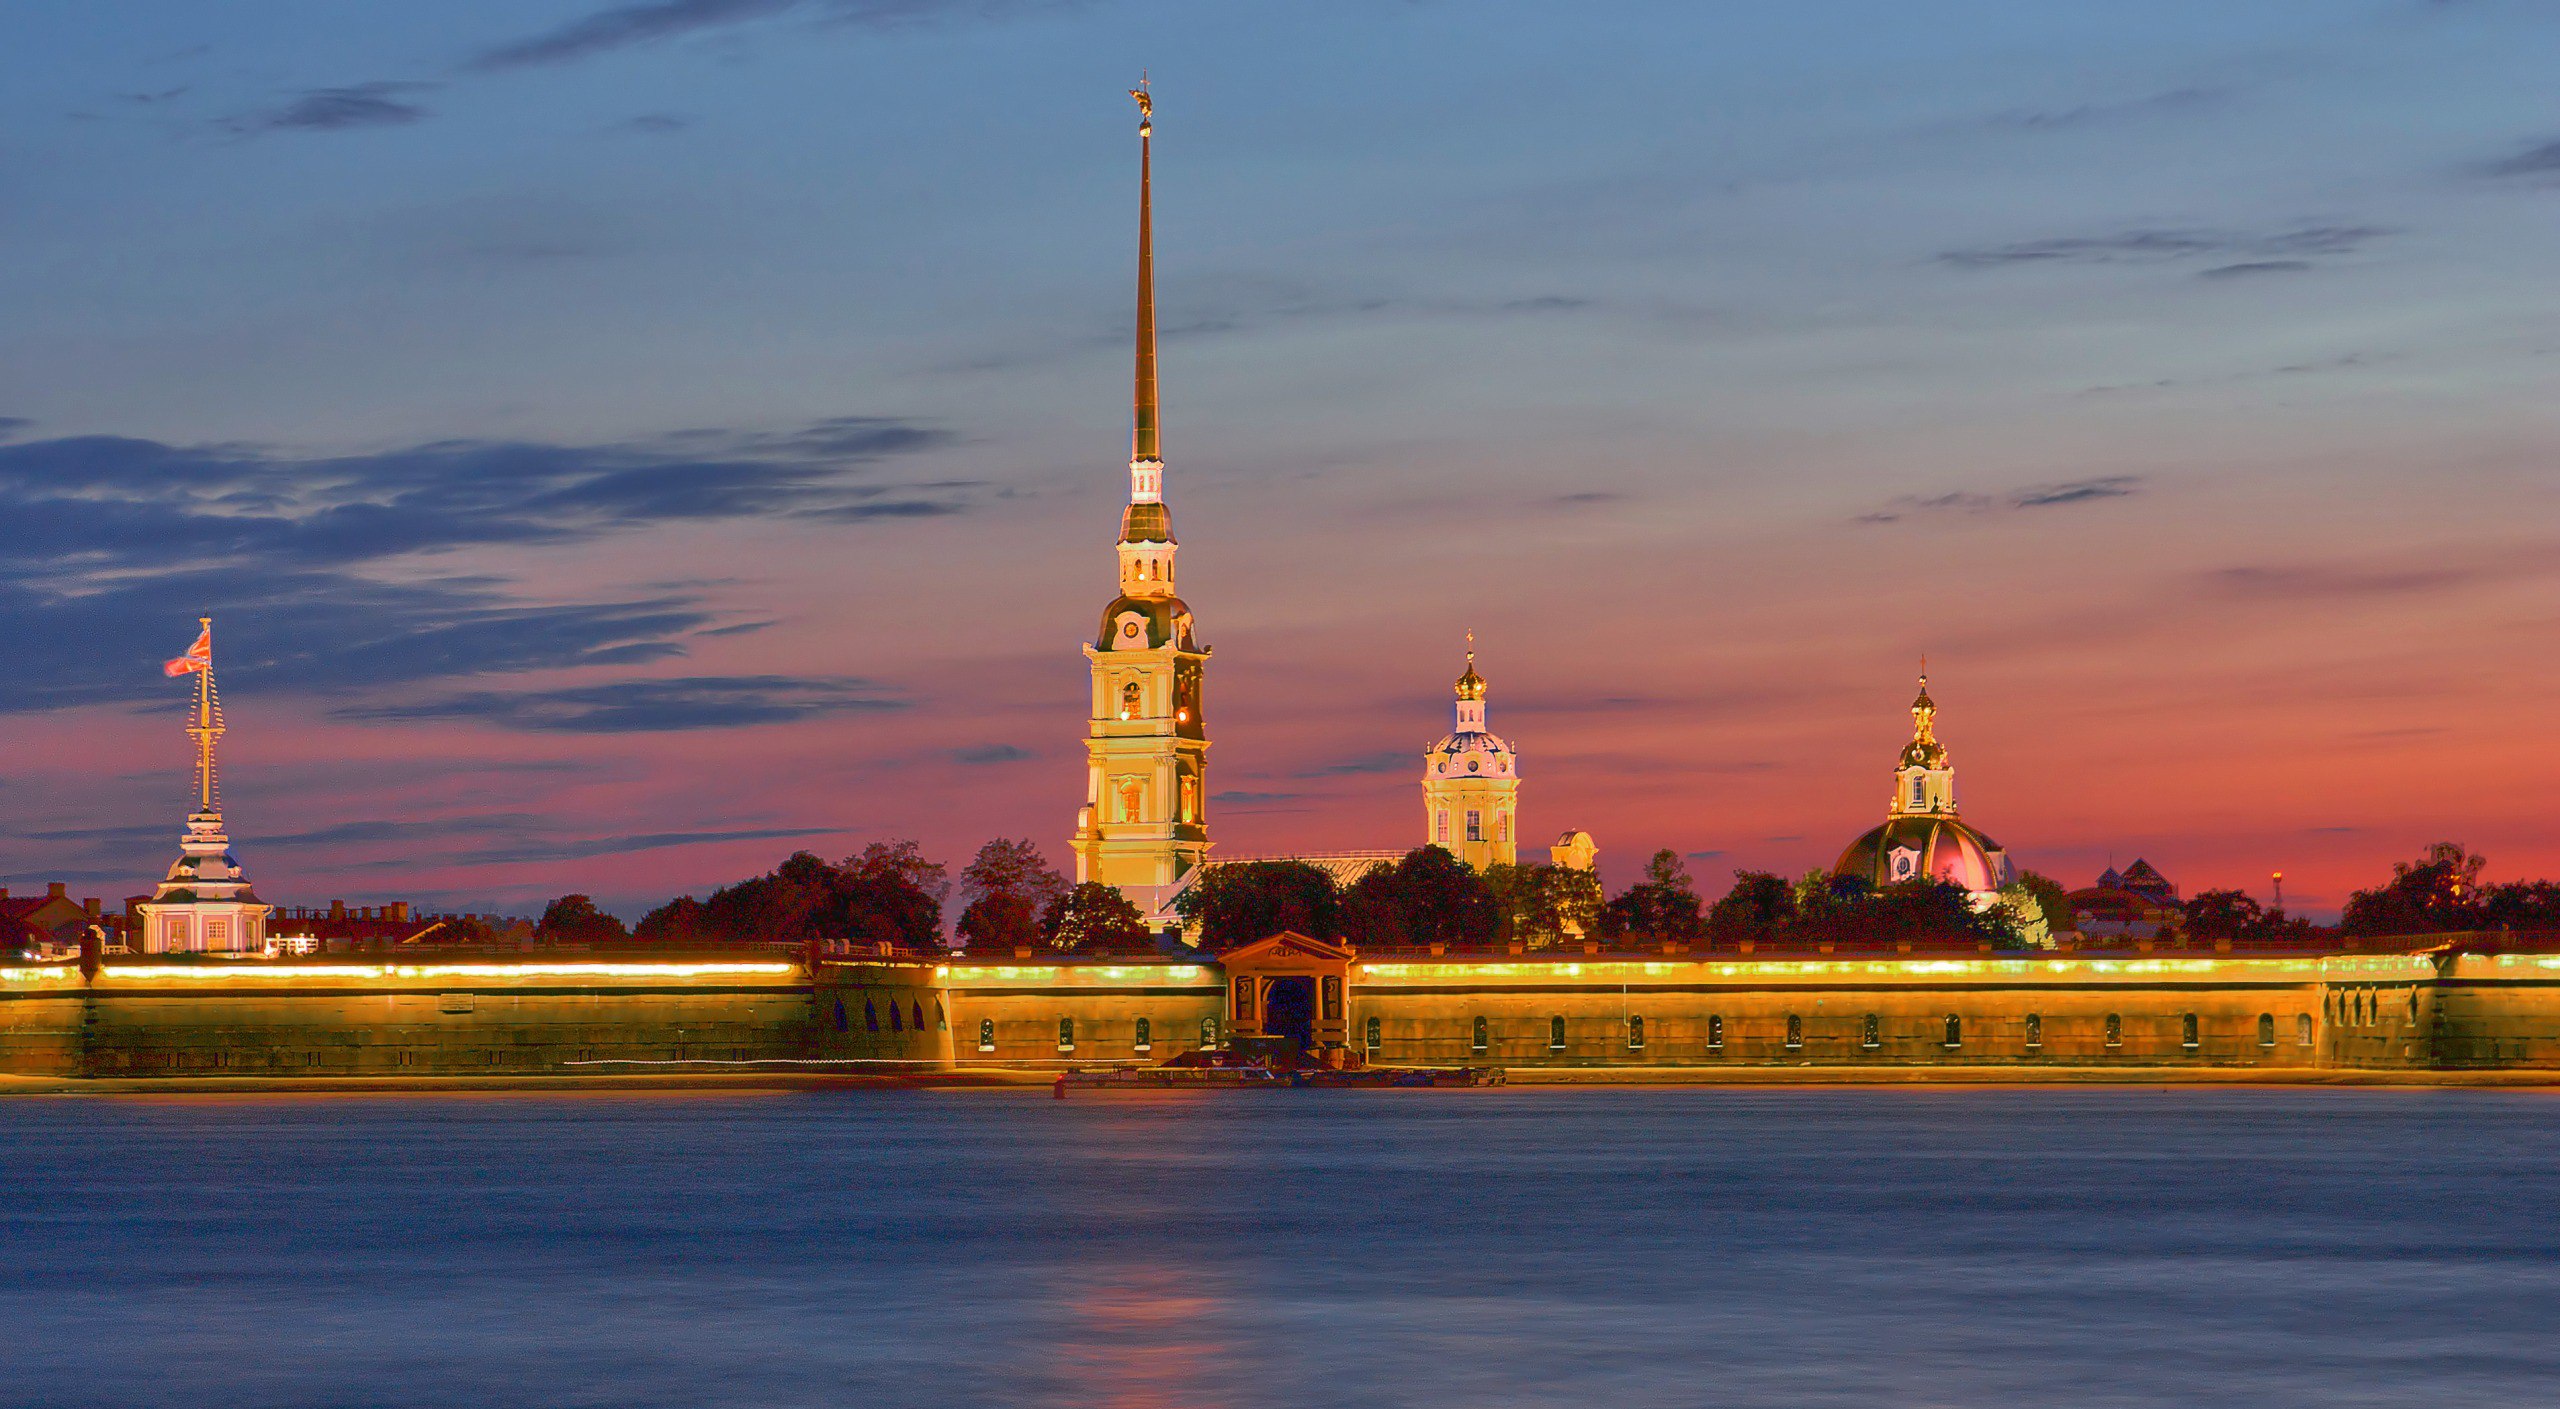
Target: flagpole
[{"x": 204, "y": 729}]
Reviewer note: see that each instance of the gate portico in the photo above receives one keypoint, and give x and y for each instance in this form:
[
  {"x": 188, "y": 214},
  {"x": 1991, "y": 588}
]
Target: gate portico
[{"x": 1285, "y": 960}]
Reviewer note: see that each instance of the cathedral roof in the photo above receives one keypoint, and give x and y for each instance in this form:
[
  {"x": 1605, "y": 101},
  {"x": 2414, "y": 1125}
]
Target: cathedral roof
[
  {"x": 1940, "y": 848},
  {"x": 1473, "y": 741}
]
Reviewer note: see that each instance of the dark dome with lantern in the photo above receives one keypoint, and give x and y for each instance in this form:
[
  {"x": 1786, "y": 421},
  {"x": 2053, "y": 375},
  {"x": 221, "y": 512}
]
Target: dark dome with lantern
[{"x": 1935, "y": 848}]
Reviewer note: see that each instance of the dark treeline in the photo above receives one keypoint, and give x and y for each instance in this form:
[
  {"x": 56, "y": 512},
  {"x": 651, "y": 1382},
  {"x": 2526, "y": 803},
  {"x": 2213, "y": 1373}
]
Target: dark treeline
[{"x": 1012, "y": 901}]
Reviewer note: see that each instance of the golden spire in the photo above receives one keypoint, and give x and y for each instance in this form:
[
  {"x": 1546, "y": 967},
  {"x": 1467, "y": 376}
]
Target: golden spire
[
  {"x": 1143, "y": 445},
  {"x": 1471, "y": 685}
]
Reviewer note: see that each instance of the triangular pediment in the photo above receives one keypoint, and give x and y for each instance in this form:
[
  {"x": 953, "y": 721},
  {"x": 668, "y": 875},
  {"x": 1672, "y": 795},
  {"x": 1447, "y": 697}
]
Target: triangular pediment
[{"x": 1288, "y": 944}]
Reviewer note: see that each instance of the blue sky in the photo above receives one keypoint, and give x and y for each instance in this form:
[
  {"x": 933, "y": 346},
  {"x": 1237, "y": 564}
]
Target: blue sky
[{"x": 621, "y": 442}]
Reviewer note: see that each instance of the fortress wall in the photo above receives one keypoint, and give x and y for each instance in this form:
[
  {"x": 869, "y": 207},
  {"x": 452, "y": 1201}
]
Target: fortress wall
[
  {"x": 438, "y": 1019},
  {"x": 40, "y": 1019},
  {"x": 2497, "y": 1011},
  {"x": 1018, "y": 1006},
  {"x": 305, "y": 1019},
  {"x": 890, "y": 1013},
  {"x": 1426, "y": 1012}
]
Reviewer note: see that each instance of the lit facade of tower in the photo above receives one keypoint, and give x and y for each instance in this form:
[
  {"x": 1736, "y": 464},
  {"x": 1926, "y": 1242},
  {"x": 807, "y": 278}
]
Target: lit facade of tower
[
  {"x": 205, "y": 904},
  {"x": 1471, "y": 784},
  {"x": 1144, "y": 826}
]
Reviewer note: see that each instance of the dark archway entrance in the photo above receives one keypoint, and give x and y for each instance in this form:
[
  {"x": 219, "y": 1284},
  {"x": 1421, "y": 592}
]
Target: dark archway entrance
[{"x": 1290, "y": 1010}]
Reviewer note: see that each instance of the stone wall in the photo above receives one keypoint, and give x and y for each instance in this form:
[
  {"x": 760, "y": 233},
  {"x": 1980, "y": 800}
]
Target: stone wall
[
  {"x": 1012, "y": 1014},
  {"x": 377, "y": 1019},
  {"x": 2406, "y": 1010}
]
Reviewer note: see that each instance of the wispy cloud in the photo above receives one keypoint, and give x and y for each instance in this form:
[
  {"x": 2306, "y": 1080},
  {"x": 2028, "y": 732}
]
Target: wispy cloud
[
  {"x": 519, "y": 852},
  {"x": 646, "y": 706},
  {"x": 983, "y": 754},
  {"x": 1362, "y": 765},
  {"x": 2076, "y": 115},
  {"x": 623, "y": 27},
  {"x": 2040, "y": 496},
  {"x": 313, "y": 562},
  {"x": 380, "y": 104},
  {"x": 2540, "y": 162},
  {"x": 10, "y": 426},
  {"x": 2162, "y": 246},
  {"x": 2329, "y": 580},
  {"x": 138, "y": 504},
  {"x": 2250, "y": 267}
]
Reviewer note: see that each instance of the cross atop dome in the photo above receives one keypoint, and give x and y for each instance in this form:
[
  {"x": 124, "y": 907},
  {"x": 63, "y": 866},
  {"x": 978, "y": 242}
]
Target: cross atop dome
[{"x": 1471, "y": 685}]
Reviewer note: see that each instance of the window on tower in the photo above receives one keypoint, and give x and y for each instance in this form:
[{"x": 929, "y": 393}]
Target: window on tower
[
  {"x": 1475, "y": 824},
  {"x": 1133, "y": 799},
  {"x": 1129, "y": 696},
  {"x": 1919, "y": 792},
  {"x": 1440, "y": 828}
]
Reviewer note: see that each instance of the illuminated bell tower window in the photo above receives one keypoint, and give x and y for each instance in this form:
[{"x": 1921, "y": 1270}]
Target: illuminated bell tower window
[{"x": 1130, "y": 697}]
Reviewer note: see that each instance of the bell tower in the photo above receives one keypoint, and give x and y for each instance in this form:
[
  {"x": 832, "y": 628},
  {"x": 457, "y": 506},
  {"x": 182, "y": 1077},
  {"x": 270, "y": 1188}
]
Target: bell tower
[
  {"x": 1924, "y": 782},
  {"x": 1471, "y": 783},
  {"x": 1143, "y": 827}
]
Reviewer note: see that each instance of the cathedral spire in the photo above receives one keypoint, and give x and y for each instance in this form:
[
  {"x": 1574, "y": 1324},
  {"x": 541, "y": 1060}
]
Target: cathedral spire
[{"x": 1146, "y": 452}]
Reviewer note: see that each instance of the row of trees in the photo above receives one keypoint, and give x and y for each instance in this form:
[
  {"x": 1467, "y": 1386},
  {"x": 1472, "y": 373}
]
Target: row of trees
[
  {"x": 1430, "y": 897},
  {"x": 1012, "y": 899},
  {"x": 890, "y": 894},
  {"x": 2441, "y": 892}
]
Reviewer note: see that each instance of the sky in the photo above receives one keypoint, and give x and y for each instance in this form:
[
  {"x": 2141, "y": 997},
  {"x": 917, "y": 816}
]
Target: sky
[{"x": 623, "y": 444}]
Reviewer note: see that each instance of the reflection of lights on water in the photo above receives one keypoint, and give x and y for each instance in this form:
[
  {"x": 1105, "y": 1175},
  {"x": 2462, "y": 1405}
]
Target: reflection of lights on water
[{"x": 1142, "y": 1341}]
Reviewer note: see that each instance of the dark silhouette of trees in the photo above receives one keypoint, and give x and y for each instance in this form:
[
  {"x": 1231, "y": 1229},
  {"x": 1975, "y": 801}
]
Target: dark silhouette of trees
[
  {"x": 1427, "y": 896},
  {"x": 1758, "y": 909},
  {"x": 574, "y": 919},
  {"x": 2437, "y": 892},
  {"x": 2223, "y": 914},
  {"x": 1542, "y": 904},
  {"x": 1007, "y": 890},
  {"x": 2441, "y": 891},
  {"x": 680, "y": 923},
  {"x": 1921, "y": 913},
  {"x": 889, "y": 894},
  {"x": 1664, "y": 905},
  {"x": 1249, "y": 900},
  {"x": 893, "y": 896},
  {"x": 1095, "y": 919},
  {"x": 2521, "y": 905}
]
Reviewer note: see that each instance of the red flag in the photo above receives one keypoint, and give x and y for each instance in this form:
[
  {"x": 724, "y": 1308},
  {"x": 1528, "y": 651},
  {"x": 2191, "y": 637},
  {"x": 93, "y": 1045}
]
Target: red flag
[{"x": 198, "y": 657}]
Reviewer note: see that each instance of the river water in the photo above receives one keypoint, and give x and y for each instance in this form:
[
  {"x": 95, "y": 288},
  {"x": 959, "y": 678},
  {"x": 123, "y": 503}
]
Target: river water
[{"x": 1807, "y": 1247}]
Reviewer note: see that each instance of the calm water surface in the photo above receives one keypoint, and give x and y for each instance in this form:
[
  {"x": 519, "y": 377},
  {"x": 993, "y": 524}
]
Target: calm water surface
[{"x": 1602, "y": 1247}]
